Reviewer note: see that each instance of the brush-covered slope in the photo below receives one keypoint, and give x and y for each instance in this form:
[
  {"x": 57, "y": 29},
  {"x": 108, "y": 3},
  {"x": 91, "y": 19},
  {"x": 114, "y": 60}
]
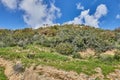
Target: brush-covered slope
[{"x": 88, "y": 52}]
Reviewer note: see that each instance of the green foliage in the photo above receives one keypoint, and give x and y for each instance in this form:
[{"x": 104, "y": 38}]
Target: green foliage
[
  {"x": 117, "y": 55},
  {"x": 67, "y": 40},
  {"x": 57, "y": 60},
  {"x": 80, "y": 38},
  {"x": 77, "y": 55},
  {"x": 65, "y": 48},
  {"x": 79, "y": 42},
  {"x": 2, "y": 75},
  {"x": 106, "y": 58},
  {"x": 49, "y": 56}
]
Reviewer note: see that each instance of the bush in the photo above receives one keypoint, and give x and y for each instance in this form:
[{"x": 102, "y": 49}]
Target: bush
[
  {"x": 22, "y": 43},
  {"x": 45, "y": 41},
  {"x": 106, "y": 58},
  {"x": 77, "y": 55},
  {"x": 117, "y": 55},
  {"x": 78, "y": 41},
  {"x": 65, "y": 48},
  {"x": 2, "y": 44}
]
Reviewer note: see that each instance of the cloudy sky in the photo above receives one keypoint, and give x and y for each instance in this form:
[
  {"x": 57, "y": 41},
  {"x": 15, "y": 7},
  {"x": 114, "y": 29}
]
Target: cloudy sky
[{"x": 17, "y": 14}]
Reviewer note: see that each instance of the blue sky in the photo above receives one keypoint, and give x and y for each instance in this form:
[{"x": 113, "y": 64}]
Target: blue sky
[{"x": 17, "y": 14}]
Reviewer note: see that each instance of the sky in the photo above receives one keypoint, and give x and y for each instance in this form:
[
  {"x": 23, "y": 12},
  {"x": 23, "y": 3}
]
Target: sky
[{"x": 18, "y": 14}]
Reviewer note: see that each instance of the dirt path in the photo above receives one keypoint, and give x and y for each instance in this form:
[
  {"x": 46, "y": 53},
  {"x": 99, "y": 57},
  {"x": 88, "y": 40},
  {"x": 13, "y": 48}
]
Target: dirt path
[
  {"x": 9, "y": 72},
  {"x": 50, "y": 73}
]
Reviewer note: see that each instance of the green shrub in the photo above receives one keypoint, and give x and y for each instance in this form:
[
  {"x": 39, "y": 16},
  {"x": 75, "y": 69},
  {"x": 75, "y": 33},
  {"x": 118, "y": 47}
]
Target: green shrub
[
  {"x": 45, "y": 41},
  {"x": 117, "y": 55},
  {"x": 65, "y": 48},
  {"x": 81, "y": 37},
  {"x": 2, "y": 44},
  {"x": 78, "y": 41},
  {"x": 76, "y": 55},
  {"x": 22, "y": 43},
  {"x": 106, "y": 58}
]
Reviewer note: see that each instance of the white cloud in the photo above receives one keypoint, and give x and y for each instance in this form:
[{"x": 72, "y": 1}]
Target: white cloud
[
  {"x": 118, "y": 16},
  {"x": 101, "y": 11},
  {"x": 36, "y": 14},
  {"x": 11, "y": 4},
  {"x": 79, "y": 6},
  {"x": 91, "y": 20}
]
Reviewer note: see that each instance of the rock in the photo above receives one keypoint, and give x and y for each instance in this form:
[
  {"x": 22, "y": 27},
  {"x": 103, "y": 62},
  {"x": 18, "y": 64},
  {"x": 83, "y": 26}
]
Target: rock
[
  {"x": 18, "y": 68},
  {"x": 9, "y": 72}
]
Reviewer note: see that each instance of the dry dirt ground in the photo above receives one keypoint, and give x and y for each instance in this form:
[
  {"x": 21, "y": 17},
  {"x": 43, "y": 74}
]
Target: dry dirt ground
[{"x": 50, "y": 73}]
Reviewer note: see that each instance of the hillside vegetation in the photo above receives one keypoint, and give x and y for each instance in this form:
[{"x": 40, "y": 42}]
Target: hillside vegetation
[
  {"x": 75, "y": 48},
  {"x": 76, "y": 36}
]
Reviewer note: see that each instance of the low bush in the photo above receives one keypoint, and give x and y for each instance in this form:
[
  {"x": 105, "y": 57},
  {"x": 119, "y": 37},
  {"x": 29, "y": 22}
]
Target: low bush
[
  {"x": 80, "y": 38},
  {"x": 65, "y": 48},
  {"x": 77, "y": 55},
  {"x": 117, "y": 55},
  {"x": 106, "y": 58}
]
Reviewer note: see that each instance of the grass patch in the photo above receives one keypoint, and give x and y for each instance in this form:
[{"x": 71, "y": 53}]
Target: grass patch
[
  {"x": 49, "y": 56},
  {"x": 2, "y": 75},
  {"x": 59, "y": 61}
]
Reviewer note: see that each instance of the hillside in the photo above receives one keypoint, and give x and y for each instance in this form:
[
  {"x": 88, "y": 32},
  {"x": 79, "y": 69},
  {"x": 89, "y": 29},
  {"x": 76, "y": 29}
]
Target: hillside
[{"x": 68, "y": 52}]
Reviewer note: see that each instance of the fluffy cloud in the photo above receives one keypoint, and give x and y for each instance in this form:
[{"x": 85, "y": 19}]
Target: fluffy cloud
[
  {"x": 118, "y": 16},
  {"x": 12, "y": 4},
  {"x": 100, "y": 11},
  {"x": 36, "y": 13},
  {"x": 79, "y": 6},
  {"x": 87, "y": 19}
]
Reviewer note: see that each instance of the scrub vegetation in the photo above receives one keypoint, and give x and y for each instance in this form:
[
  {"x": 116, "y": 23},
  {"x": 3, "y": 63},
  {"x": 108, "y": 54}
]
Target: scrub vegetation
[{"x": 62, "y": 47}]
